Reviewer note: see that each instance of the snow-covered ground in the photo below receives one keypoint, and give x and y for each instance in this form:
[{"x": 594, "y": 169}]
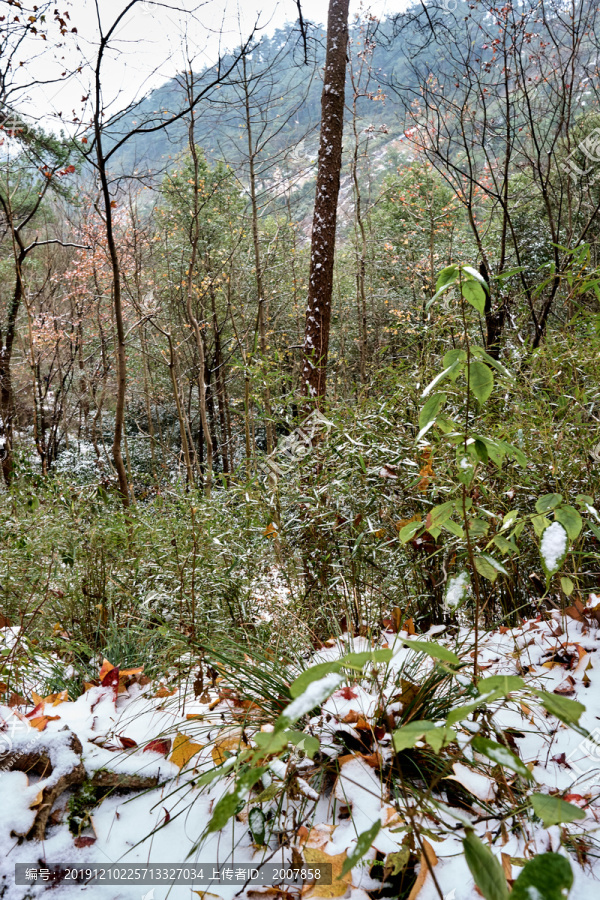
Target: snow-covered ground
[{"x": 129, "y": 726}]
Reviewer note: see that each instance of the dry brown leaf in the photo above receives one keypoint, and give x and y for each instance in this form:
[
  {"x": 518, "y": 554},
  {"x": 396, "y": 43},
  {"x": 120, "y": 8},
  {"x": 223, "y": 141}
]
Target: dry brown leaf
[
  {"x": 507, "y": 866},
  {"x": 428, "y": 861},
  {"x": 566, "y": 688},
  {"x": 183, "y": 750},
  {"x": 576, "y": 611}
]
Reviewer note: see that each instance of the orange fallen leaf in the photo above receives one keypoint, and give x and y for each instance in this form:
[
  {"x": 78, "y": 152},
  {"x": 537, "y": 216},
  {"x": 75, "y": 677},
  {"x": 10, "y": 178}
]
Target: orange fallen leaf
[
  {"x": 106, "y": 668},
  {"x": 40, "y": 722},
  {"x": 428, "y": 861},
  {"x": 164, "y": 691}
]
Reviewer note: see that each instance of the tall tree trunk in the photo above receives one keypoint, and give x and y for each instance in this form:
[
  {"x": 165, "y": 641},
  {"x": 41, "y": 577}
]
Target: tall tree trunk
[
  {"x": 320, "y": 287},
  {"x": 262, "y": 300}
]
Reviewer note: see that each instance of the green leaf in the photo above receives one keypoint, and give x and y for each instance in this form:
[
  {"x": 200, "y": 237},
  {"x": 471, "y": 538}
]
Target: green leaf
[
  {"x": 409, "y": 734},
  {"x": 546, "y": 877},
  {"x": 504, "y": 545},
  {"x": 452, "y": 356},
  {"x": 303, "y": 741},
  {"x": 409, "y": 531},
  {"x": 504, "y": 684},
  {"x": 440, "y": 737},
  {"x": 258, "y": 825},
  {"x": 434, "y": 650},
  {"x": 454, "y": 528},
  {"x": 500, "y": 755},
  {"x": 313, "y": 674},
  {"x": 445, "y": 374},
  {"x": 462, "y": 712},
  {"x": 540, "y": 523},
  {"x": 271, "y": 741},
  {"x": 465, "y": 465},
  {"x": 594, "y": 529},
  {"x": 397, "y": 861},
  {"x": 473, "y": 273},
  {"x": 568, "y": 711},
  {"x": 446, "y": 277},
  {"x": 479, "y": 351},
  {"x": 359, "y": 660},
  {"x": 567, "y": 585},
  {"x": 457, "y": 590},
  {"x": 554, "y": 811},
  {"x": 430, "y": 409},
  {"x": 440, "y": 513},
  {"x": 547, "y": 502},
  {"x": 481, "y": 450},
  {"x": 514, "y": 452},
  {"x": 481, "y": 380},
  {"x": 474, "y": 294},
  {"x": 489, "y": 567},
  {"x": 485, "y": 868},
  {"x": 363, "y": 845},
  {"x": 226, "y": 807},
  {"x": 570, "y": 519}
]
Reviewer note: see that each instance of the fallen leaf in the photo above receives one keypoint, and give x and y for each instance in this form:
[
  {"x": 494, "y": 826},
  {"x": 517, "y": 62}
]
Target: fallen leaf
[
  {"x": 105, "y": 669},
  {"x": 314, "y": 856},
  {"x": 39, "y": 799},
  {"x": 230, "y": 743},
  {"x": 347, "y": 693},
  {"x": 111, "y": 680},
  {"x": 84, "y": 841},
  {"x": 428, "y": 861},
  {"x": 566, "y": 688},
  {"x": 164, "y": 692},
  {"x": 576, "y": 611},
  {"x": 127, "y": 742},
  {"x": 159, "y": 745},
  {"x": 183, "y": 750},
  {"x": 507, "y": 866}
]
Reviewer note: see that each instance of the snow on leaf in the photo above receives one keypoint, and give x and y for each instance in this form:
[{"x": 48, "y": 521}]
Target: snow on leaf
[
  {"x": 314, "y": 695},
  {"x": 553, "y": 548}
]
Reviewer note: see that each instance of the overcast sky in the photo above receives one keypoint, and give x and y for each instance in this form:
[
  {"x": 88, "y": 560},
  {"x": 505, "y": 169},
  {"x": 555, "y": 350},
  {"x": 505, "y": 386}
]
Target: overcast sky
[{"x": 148, "y": 47}]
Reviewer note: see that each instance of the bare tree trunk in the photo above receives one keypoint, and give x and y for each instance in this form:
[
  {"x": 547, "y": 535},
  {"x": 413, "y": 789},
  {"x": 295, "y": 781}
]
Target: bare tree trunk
[
  {"x": 194, "y": 239},
  {"x": 320, "y": 287},
  {"x": 262, "y": 300},
  {"x": 117, "y": 301}
]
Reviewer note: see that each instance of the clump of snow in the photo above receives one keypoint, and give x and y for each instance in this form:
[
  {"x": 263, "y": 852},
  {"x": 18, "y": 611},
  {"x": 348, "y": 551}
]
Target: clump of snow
[
  {"x": 456, "y": 590},
  {"x": 554, "y": 546}
]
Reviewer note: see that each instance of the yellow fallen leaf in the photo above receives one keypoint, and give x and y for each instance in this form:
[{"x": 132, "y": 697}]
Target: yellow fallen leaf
[
  {"x": 428, "y": 861},
  {"x": 39, "y": 799},
  {"x": 314, "y": 856},
  {"x": 183, "y": 750},
  {"x": 230, "y": 743},
  {"x": 125, "y": 672},
  {"x": 206, "y": 895}
]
